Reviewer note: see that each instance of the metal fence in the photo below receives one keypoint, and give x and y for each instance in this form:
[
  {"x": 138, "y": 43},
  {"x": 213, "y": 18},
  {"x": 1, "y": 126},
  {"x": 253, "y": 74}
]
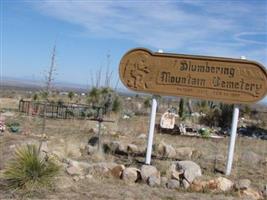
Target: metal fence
[{"x": 54, "y": 110}]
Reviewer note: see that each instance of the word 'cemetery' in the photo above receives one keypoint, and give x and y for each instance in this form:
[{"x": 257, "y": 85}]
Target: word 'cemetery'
[{"x": 213, "y": 78}]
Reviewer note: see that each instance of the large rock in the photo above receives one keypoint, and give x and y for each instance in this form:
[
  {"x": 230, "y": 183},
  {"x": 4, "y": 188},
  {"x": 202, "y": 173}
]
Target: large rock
[
  {"x": 132, "y": 148},
  {"x": 214, "y": 185},
  {"x": 242, "y": 184},
  {"x": 77, "y": 167},
  {"x": 224, "y": 184},
  {"x": 169, "y": 151},
  {"x": 251, "y": 194},
  {"x": 189, "y": 169},
  {"x": 122, "y": 149},
  {"x": 198, "y": 185},
  {"x": 166, "y": 150},
  {"x": 102, "y": 168},
  {"x": 153, "y": 181},
  {"x": 116, "y": 147},
  {"x": 149, "y": 171},
  {"x": 173, "y": 184},
  {"x": 74, "y": 171},
  {"x": 131, "y": 175},
  {"x": 112, "y": 146},
  {"x": 117, "y": 171}
]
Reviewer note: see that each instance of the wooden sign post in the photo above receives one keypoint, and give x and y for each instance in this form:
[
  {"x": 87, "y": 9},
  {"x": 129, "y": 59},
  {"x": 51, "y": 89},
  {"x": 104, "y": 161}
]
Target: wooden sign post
[
  {"x": 151, "y": 131},
  {"x": 235, "y": 81},
  {"x": 231, "y": 148}
]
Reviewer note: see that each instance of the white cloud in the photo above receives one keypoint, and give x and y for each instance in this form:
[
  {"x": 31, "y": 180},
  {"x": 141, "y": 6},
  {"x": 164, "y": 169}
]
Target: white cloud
[
  {"x": 240, "y": 37},
  {"x": 170, "y": 25}
]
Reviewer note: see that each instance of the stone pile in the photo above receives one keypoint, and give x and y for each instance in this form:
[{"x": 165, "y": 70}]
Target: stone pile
[
  {"x": 180, "y": 175},
  {"x": 184, "y": 174},
  {"x": 161, "y": 150}
]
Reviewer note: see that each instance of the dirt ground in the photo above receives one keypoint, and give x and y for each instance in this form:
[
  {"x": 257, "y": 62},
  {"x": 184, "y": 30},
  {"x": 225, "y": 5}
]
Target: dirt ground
[{"x": 69, "y": 135}]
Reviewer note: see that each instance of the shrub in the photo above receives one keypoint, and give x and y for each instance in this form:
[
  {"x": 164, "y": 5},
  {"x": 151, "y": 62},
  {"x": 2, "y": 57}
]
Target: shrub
[
  {"x": 14, "y": 127},
  {"x": 35, "y": 97},
  {"x": 69, "y": 113},
  {"x": 128, "y": 113},
  {"x": 212, "y": 118},
  {"x": 147, "y": 102},
  {"x": 116, "y": 107},
  {"x": 226, "y": 115},
  {"x": 204, "y": 132},
  {"x": 60, "y": 102},
  {"x": 218, "y": 116},
  {"x": 71, "y": 94},
  {"x": 28, "y": 171},
  {"x": 91, "y": 113}
]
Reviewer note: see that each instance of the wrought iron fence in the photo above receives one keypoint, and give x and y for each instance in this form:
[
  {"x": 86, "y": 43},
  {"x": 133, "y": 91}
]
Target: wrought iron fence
[{"x": 61, "y": 111}]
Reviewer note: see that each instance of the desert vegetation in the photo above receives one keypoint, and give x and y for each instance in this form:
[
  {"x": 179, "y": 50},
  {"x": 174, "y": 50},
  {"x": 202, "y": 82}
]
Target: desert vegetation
[
  {"x": 29, "y": 171},
  {"x": 65, "y": 160}
]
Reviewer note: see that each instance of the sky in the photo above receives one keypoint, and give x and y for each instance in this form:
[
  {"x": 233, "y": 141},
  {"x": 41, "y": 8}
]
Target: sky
[{"x": 90, "y": 34}]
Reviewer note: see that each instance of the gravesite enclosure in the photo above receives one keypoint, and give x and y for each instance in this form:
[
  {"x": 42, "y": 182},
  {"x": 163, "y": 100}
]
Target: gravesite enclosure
[{"x": 133, "y": 100}]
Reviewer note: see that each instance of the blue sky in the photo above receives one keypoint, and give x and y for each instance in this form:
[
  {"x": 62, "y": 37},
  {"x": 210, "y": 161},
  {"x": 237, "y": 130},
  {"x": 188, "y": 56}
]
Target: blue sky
[{"x": 87, "y": 31}]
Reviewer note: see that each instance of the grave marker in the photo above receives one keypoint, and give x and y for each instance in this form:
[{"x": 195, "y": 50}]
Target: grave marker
[{"x": 167, "y": 120}]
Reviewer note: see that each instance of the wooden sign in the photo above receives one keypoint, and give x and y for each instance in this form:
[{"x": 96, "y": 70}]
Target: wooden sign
[{"x": 212, "y": 78}]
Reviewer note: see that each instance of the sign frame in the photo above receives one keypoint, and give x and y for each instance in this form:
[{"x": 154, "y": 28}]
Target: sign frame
[{"x": 229, "y": 65}]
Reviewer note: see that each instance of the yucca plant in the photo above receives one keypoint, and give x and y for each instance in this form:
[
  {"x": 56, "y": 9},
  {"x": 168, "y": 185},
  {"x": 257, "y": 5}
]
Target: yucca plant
[{"x": 28, "y": 171}]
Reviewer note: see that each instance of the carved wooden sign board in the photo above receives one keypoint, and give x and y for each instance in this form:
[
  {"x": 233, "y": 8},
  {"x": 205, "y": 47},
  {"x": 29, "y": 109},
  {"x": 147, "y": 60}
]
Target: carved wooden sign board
[{"x": 212, "y": 78}]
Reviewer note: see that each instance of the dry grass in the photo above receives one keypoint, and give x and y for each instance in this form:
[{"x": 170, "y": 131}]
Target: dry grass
[{"x": 67, "y": 136}]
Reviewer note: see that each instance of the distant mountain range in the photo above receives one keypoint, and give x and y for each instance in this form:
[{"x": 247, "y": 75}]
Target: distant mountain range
[
  {"x": 38, "y": 84},
  {"x": 33, "y": 84}
]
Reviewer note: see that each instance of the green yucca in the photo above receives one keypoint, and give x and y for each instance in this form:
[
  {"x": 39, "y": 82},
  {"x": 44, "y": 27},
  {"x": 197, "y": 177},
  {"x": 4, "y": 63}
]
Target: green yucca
[{"x": 28, "y": 171}]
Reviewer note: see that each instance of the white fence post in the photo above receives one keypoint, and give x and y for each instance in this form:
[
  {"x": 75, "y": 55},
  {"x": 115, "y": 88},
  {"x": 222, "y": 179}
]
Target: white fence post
[
  {"x": 232, "y": 141},
  {"x": 151, "y": 131}
]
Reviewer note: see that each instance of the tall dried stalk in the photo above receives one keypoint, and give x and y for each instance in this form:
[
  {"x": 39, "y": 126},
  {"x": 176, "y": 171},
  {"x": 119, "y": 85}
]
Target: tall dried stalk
[{"x": 48, "y": 84}]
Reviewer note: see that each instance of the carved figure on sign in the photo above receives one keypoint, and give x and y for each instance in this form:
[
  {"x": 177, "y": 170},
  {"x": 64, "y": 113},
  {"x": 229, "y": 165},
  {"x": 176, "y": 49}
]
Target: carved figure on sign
[
  {"x": 138, "y": 74},
  {"x": 168, "y": 120}
]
